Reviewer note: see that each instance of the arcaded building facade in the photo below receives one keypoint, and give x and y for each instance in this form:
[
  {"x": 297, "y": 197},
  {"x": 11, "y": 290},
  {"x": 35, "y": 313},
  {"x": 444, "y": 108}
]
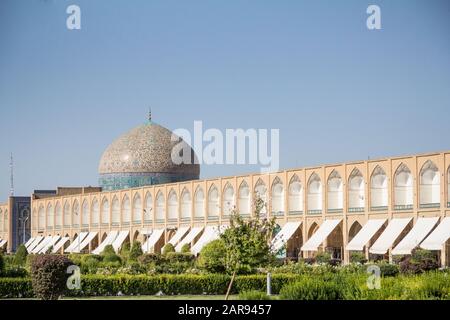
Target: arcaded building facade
[{"x": 382, "y": 207}]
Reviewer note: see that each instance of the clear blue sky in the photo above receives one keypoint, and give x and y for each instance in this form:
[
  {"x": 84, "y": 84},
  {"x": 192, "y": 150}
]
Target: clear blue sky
[{"x": 336, "y": 90}]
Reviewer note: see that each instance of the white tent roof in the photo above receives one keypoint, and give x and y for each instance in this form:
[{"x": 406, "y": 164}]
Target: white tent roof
[
  {"x": 112, "y": 235},
  {"x": 389, "y": 235},
  {"x": 76, "y": 243},
  {"x": 85, "y": 242},
  {"x": 365, "y": 234},
  {"x": 181, "y": 232},
  {"x": 324, "y": 230},
  {"x": 189, "y": 238},
  {"x": 42, "y": 244},
  {"x": 3, "y": 242},
  {"x": 211, "y": 233},
  {"x": 284, "y": 235},
  {"x": 49, "y": 244},
  {"x": 120, "y": 239},
  {"x": 419, "y": 231},
  {"x": 29, "y": 242},
  {"x": 439, "y": 236},
  {"x": 34, "y": 243},
  {"x": 60, "y": 244},
  {"x": 148, "y": 245}
]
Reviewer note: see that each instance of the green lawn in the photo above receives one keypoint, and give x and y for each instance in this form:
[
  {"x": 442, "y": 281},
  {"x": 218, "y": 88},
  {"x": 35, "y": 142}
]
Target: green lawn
[{"x": 180, "y": 297}]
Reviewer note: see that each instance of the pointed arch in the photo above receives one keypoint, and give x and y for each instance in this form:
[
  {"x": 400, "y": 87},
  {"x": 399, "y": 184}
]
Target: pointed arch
[
  {"x": 160, "y": 213},
  {"x": 312, "y": 229},
  {"x": 137, "y": 209},
  {"x": 244, "y": 199},
  {"x": 430, "y": 185},
  {"x": 378, "y": 189},
  {"x": 95, "y": 208},
  {"x": 277, "y": 197},
  {"x": 67, "y": 215},
  {"x": 50, "y": 216},
  {"x": 295, "y": 200},
  {"x": 261, "y": 191},
  {"x": 76, "y": 217},
  {"x": 105, "y": 211},
  {"x": 172, "y": 205},
  {"x": 115, "y": 211},
  {"x": 403, "y": 188},
  {"x": 314, "y": 194},
  {"x": 148, "y": 210},
  {"x": 335, "y": 192},
  {"x": 126, "y": 210},
  {"x": 199, "y": 203},
  {"x": 186, "y": 204},
  {"x": 58, "y": 215},
  {"x": 213, "y": 202},
  {"x": 356, "y": 191},
  {"x": 354, "y": 229},
  {"x": 41, "y": 218},
  {"x": 85, "y": 213},
  {"x": 228, "y": 201}
]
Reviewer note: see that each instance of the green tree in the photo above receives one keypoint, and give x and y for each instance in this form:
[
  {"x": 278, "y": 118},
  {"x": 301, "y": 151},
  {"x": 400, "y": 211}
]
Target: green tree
[
  {"x": 212, "y": 257},
  {"x": 110, "y": 256},
  {"x": 168, "y": 248},
  {"x": 20, "y": 258},
  {"x": 247, "y": 241},
  {"x": 136, "y": 251},
  {"x": 186, "y": 248}
]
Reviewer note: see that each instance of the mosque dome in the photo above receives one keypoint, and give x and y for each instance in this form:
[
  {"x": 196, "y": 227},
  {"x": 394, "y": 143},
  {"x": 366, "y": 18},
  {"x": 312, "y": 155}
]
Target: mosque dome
[{"x": 143, "y": 156}]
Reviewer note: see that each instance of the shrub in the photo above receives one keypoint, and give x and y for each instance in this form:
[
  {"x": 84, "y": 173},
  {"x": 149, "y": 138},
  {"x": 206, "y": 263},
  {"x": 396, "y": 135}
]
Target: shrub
[
  {"x": 186, "y": 248},
  {"x": 15, "y": 272},
  {"x": 136, "y": 251},
  {"x": 180, "y": 257},
  {"x": 253, "y": 295},
  {"x": 20, "y": 258},
  {"x": 110, "y": 256},
  {"x": 125, "y": 250},
  {"x": 212, "y": 256},
  {"x": 168, "y": 248},
  {"x": 2, "y": 265},
  {"x": 419, "y": 261},
  {"x": 49, "y": 277},
  {"x": 15, "y": 288},
  {"x": 311, "y": 289},
  {"x": 323, "y": 257},
  {"x": 358, "y": 257},
  {"x": 388, "y": 269},
  {"x": 149, "y": 258}
]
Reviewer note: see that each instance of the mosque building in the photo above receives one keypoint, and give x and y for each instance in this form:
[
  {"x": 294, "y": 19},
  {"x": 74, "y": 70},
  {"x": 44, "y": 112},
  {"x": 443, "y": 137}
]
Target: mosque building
[{"x": 380, "y": 207}]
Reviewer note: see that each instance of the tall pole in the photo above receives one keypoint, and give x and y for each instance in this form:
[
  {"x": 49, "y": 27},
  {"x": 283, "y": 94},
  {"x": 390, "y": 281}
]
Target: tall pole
[{"x": 11, "y": 168}]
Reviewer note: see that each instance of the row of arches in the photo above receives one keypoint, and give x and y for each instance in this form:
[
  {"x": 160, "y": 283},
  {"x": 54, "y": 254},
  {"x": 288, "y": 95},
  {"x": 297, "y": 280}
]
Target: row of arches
[{"x": 210, "y": 204}]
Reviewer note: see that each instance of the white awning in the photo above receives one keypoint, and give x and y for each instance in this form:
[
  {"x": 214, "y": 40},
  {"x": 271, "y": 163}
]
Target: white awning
[
  {"x": 319, "y": 237},
  {"x": 29, "y": 242},
  {"x": 112, "y": 235},
  {"x": 120, "y": 239},
  {"x": 189, "y": 238},
  {"x": 414, "y": 237},
  {"x": 34, "y": 243},
  {"x": 284, "y": 235},
  {"x": 181, "y": 232},
  {"x": 439, "y": 236},
  {"x": 51, "y": 243},
  {"x": 146, "y": 232},
  {"x": 42, "y": 244},
  {"x": 389, "y": 235},
  {"x": 211, "y": 233},
  {"x": 85, "y": 242},
  {"x": 3, "y": 242},
  {"x": 365, "y": 234},
  {"x": 149, "y": 245},
  {"x": 60, "y": 244},
  {"x": 76, "y": 243}
]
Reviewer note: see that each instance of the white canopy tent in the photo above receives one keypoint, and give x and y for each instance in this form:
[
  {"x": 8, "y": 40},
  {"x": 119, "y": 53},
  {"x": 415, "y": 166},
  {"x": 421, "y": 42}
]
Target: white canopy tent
[
  {"x": 120, "y": 240},
  {"x": 112, "y": 235},
  {"x": 60, "y": 244},
  {"x": 3, "y": 242},
  {"x": 437, "y": 239},
  {"x": 389, "y": 235},
  {"x": 211, "y": 233},
  {"x": 365, "y": 234},
  {"x": 149, "y": 245},
  {"x": 27, "y": 244},
  {"x": 181, "y": 232},
  {"x": 76, "y": 243},
  {"x": 36, "y": 241},
  {"x": 42, "y": 244},
  {"x": 419, "y": 231},
  {"x": 50, "y": 244},
  {"x": 189, "y": 238},
  {"x": 85, "y": 242},
  {"x": 284, "y": 235},
  {"x": 319, "y": 237}
]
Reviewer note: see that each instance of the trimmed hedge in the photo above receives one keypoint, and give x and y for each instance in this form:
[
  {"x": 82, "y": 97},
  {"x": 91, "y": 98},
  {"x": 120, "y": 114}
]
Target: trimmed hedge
[{"x": 16, "y": 288}]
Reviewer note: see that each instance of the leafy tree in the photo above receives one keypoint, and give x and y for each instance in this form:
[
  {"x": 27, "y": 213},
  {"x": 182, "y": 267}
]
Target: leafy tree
[
  {"x": 186, "y": 248},
  {"x": 110, "y": 256},
  {"x": 212, "y": 257},
  {"x": 125, "y": 250},
  {"x": 168, "y": 248},
  {"x": 136, "y": 251},
  {"x": 20, "y": 258},
  {"x": 247, "y": 241}
]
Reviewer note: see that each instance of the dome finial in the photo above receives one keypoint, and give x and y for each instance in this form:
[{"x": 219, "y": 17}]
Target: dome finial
[{"x": 150, "y": 114}]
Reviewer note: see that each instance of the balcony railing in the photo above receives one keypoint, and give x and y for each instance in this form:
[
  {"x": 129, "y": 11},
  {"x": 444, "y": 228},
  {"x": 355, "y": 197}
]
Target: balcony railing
[
  {"x": 185, "y": 219},
  {"x": 430, "y": 205},
  {"x": 198, "y": 218},
  {"x": 147, "y": 221},
  {"x": 75, "y": 225},
  {"x": 159, "y": 220},
  {"x": 105, "y": 224},
  {"x": 295, "y": 213},
  {"x": 57, "y": 227},
  {"x": 448, "y": 204},
  {"x": 314, "y": 211},
  {"x": 278, "y": 213},
  {"x": 213, "y": 218},
  {"x": 174, "y": 220},
  {"x": 379, "y": 208},
  {"x": 126, "y": 224},
  {"x": 403, "y": 207},
  {"x": 85, "y": 225},
  {"x": 335, "y": 210},
  {"x": 356, "y": 209},
  {"x": 115, "y": 224},
  {"x": 137, "y": 222},
  {"x": 66, "y": 226}
]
